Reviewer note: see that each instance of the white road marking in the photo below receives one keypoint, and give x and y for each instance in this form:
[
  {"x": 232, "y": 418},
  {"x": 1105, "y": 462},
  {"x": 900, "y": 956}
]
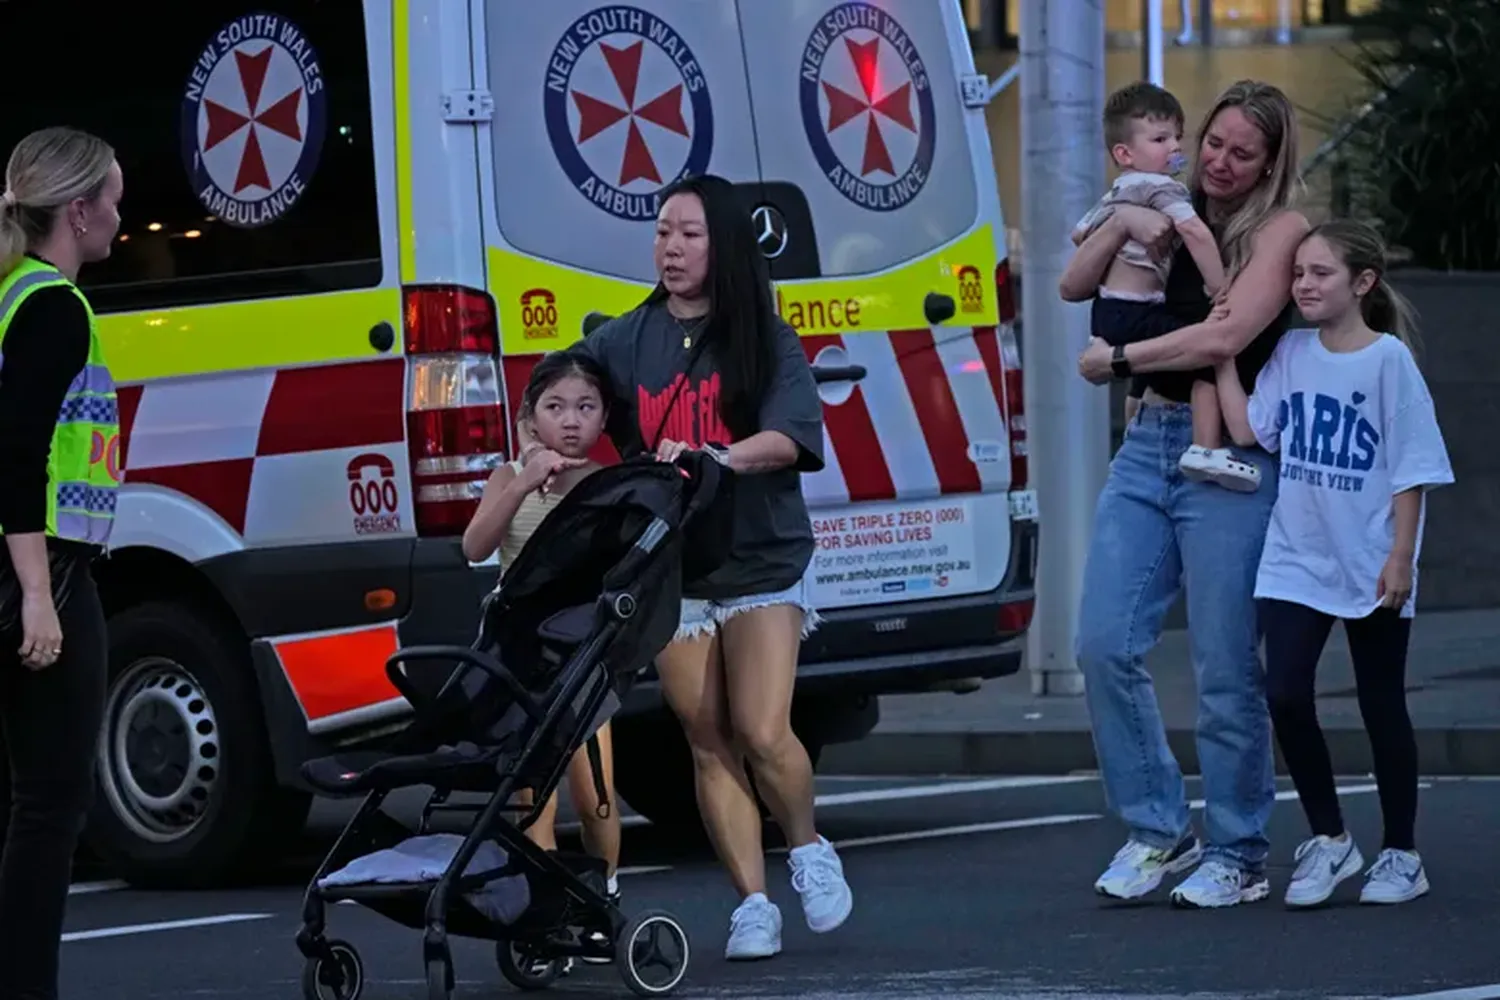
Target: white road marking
[
  {"x": 1290, "y": 794},
  {"x": 945, "y": 788},
  {"x": 968, "y": 829},
  {"x": 167, "y": 925},
  {"x": 1490, "y": 992},
  {"x": 88, "y": 888}
]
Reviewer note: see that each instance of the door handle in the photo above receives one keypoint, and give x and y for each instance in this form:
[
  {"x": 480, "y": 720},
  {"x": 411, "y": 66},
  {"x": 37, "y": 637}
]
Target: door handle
[{"x": 840, "y": 373}]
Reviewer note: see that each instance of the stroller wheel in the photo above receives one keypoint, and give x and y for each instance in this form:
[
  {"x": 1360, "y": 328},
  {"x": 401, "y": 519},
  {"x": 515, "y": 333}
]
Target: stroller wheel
[
  {"x": 525, "y": 971},
  {"x": 652, "y": 953},
  {"x": 337, "y": 975}
]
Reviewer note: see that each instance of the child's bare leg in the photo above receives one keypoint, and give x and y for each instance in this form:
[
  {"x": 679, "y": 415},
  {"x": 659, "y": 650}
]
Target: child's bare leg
[
  {"x": 1208, "y": 420},
  {"x": 601, "y": 834},
  {"x": 542, "y": 833}
]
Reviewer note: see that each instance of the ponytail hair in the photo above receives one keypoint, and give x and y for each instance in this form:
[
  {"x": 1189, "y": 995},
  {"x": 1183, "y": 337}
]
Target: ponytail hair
[
  {"x": 47, "y": 170},
  {"x": 1388, "y": 310},
  {"x": 1360, "y": 247}
]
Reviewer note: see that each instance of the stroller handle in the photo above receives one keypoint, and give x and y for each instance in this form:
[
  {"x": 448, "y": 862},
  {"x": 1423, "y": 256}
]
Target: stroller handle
[{"x": 470, "y": 658}]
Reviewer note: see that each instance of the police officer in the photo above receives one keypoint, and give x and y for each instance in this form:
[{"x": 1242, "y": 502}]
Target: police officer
[{"x": 59, "y": 470}]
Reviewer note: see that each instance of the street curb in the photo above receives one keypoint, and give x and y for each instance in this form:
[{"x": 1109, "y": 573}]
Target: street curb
[{"x": 1447, "y": 752}]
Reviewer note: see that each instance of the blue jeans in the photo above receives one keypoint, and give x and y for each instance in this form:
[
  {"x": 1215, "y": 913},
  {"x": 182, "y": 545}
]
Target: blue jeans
[{"x": 1154, "y": 532}]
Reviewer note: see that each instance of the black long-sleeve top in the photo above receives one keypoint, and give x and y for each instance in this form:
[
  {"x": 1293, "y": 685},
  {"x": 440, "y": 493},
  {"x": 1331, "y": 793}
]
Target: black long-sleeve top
[{"x": 45, "y": 347}]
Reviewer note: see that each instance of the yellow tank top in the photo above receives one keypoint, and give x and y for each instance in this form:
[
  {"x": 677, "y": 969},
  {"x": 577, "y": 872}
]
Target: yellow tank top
[{"x": 534, "y": 507}]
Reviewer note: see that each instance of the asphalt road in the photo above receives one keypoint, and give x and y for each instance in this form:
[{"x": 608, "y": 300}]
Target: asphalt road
[{"x": 975, "y": 889}]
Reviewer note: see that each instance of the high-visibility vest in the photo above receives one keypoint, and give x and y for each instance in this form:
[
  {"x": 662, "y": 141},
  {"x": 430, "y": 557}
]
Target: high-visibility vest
[{"x": 83, "y": 471}]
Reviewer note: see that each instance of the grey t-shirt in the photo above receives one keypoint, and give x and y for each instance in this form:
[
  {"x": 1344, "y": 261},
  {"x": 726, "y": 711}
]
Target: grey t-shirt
[{"x": 644, "y": 353}]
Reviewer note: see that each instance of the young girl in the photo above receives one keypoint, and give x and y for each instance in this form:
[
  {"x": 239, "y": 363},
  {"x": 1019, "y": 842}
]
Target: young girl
[
  {"x": 563, "y": 411},
  {"x": 1350, "y": 414}
]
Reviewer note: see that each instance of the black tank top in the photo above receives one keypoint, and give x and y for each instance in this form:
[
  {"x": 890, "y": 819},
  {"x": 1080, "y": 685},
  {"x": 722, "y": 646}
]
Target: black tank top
[{"x": 1188, "y": 302}]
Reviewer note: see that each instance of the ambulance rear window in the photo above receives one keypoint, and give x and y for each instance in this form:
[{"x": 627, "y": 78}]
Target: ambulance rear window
[{"x": 244, "y": 137}]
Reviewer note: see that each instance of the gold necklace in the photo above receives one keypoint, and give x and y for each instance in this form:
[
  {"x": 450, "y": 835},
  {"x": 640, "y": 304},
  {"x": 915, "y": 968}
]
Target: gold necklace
[{"x": 687, "y": 335}]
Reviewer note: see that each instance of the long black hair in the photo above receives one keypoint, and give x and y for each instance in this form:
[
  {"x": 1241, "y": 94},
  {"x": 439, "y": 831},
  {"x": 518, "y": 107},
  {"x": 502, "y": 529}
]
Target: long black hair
[{"x": 741, "y": 326}]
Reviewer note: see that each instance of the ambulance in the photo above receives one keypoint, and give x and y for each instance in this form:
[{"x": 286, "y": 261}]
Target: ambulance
[{"x": 350, "y": 230}]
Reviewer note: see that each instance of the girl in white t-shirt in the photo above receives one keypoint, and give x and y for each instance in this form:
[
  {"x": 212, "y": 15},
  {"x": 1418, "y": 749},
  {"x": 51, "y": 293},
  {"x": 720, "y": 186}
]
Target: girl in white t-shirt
[
  {"x": 1348, "y": 411},
  {"x": 563, "y": 411}
]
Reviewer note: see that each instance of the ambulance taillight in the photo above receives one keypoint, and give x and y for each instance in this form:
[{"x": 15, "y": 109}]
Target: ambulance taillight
[
  {"x": 1010, "y": 364},
  {"x": 455, "y": 419}
]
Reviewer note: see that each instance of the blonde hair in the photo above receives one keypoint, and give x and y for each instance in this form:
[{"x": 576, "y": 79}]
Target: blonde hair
[
  {"x": 1269, "y": 110},
  {"x": 1360, "y": 247},
  {"x": 47, "y": 169}
]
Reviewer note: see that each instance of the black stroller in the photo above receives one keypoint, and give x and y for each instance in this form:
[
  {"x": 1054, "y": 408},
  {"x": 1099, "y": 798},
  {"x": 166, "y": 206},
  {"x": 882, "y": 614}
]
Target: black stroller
[{"x": 588, "y": 603}]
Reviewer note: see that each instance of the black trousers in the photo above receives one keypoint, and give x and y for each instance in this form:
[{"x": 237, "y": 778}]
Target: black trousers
[
  {"x": 49, "y": 722},
  {"x": 1295, "y": 636}
]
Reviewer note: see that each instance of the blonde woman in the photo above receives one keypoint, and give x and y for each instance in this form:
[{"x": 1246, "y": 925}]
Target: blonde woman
[
  {"x": 1156, "y": 531},
  {"x": 58, "y": 475}
]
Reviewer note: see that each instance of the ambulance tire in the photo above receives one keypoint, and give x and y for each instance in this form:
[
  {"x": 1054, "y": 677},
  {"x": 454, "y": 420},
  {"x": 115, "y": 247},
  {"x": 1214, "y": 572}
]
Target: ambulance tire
[
  {"x": 654, "y": 773},
  {"x": 243, "y": 817}
]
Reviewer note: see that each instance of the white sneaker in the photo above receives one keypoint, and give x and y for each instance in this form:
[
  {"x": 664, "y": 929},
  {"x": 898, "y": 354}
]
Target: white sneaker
[
  {"x": 1138, "y": 869},
  {"x": 1395, "y": 877},
  {"x": 1322, "y": 863},
  {"x": 754, "y": 929},
  {"x": 1215, "y": 885},
  {"x": 1219, "y": 466},
  {"x": 818, "y": 877}
]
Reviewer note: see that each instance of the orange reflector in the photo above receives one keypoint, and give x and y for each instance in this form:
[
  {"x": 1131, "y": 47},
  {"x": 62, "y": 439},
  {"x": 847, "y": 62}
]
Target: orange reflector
[
  {"x": 383, "y": 599},
  {"x": 336, "y": 673}
]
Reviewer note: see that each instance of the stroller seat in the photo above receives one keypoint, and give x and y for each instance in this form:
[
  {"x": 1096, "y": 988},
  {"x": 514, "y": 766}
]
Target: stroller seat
[{"x": 462, "y": 767}]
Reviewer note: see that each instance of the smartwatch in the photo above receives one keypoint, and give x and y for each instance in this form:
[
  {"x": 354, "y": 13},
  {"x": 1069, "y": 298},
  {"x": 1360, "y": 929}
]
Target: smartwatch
[
  {"x": 717, "y": 452},
  {"x": 1118, "y": 362}
]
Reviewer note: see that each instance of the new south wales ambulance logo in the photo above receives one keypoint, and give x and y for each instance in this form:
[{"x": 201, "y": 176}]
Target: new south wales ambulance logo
[
  {"x": 627, "y": 110},
  {"x": 253, "y": 115},
  {"x": 867, "y": 107}
]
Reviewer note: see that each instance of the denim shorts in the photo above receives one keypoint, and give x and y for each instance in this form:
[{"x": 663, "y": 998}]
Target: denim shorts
[{"x": 703, "y": 617}]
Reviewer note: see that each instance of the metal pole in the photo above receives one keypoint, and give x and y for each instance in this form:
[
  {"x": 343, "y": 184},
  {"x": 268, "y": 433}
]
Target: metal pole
[
  {"x": 1284, "y": 23},
  {"x": 1153, "y": 70},
  {"x": 1206, "y": 22},
  {"x": 1062, "y": 164}
]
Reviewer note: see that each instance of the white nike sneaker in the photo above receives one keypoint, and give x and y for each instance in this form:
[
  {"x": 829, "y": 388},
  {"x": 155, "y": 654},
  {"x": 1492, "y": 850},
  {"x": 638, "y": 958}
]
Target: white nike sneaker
[
  {"x": 1395, "y": 877},
  {"x": 1322, "y": 863},
  {"x": 818, "y": 877},
  {"x": 754, "y": 930}
]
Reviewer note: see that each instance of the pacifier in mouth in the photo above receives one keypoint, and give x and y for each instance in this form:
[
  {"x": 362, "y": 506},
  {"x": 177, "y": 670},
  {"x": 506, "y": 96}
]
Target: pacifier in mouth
[{"x": 1175, "y": 163}]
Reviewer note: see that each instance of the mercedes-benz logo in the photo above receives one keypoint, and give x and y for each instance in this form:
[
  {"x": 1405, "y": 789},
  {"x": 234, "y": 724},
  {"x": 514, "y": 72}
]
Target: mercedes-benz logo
[{"x": 770, "y": 231}]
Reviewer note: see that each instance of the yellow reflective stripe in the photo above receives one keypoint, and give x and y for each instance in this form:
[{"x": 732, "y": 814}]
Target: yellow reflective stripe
[
  {"x": 262, "y": 333},
  {"x": 530, "y": 292},
  {"x": 406, "y": 233}
]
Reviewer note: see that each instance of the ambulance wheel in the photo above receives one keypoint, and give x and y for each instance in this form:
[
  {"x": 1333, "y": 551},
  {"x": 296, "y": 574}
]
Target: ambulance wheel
[
  {"x": 337, "y": 975},
  {"x": 186, "y": 792},
  {"x": 652, "y": 954},
  {"x": 654, "y": 772}
]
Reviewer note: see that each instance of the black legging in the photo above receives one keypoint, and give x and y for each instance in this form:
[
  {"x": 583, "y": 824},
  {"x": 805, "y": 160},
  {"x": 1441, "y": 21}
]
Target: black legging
[
  {"x": 1295, "y": 636},
  {"x": 49, "y": 722}
]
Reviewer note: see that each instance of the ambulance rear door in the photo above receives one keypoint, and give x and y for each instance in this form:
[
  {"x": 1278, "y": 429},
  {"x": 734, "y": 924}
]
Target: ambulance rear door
[
  {"x": 599, "y": 107},
  {"x": 875, "y": 217}
]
